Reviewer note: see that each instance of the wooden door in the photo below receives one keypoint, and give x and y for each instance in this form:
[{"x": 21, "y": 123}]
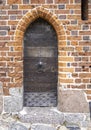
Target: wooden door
[{"x": 40, "y": 65}]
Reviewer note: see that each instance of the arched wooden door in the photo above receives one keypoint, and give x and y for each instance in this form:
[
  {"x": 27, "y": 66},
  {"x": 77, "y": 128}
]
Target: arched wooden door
[{"x": 40, "y": 65}]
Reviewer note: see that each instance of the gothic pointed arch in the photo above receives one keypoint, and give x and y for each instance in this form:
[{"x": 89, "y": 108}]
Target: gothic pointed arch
[
  {"x": 31, "y": 16},
  {"x": 35, "y": 13}
]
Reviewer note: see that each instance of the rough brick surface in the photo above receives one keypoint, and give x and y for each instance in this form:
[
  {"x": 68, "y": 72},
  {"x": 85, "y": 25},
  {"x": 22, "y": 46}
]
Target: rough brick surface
[{"x": 74, "y": 45}]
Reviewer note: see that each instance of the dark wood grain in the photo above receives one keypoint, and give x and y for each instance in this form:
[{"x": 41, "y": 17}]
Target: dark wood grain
[{"x": 40, "y": 63}]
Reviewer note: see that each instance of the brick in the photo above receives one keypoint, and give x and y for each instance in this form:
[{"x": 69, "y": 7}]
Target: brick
[
  {"x": 66, "y": 80},
  {"x": 74, "y": 33},
  {"x": 62, "y": 64},
  {"x": 15, "y": 74},
  {"x": 61, "y": 6},
  {"x": 74, "y": 22},
  {"x": 4, "y": 48},
  {"x": 69, "y": 59},
  {"x": 2, "y": 44},
  {"x": 74, "y": 75},
  {"x": 77, "y": 81},
  {"x": 4, "y": 17},
  {"x": 62, "y": 16},
  {"x": 84, "y": 33},
  {"x": 61, "y": 1},
  {"x": 52, "y": 6},
  {"x": 66, "y": 48},
  {"x": 66, "y": 69},
  {"x": 88, "y": 91},
  {"x": 77, "y": 69},
  {"x": 2, "y": 74},
  {"x": 13, "y": 17},
  {"x": 74, "y": 64},
  {"x": 14, "y": 2},
  {"x": 75, "y": 6},
  {"x": 5, "y": 38},
  {"x": 74, "y": 43},
  {"x": 62, "y": 53},
  {"x": 89, "y": 86},
  {"x": 26, "y": 7},
  {"x": 14, "y": 6},
  {"x": 4, "y": 79},
  {"x": 3, "y": 12},
  {"x": 61, "y": 75},
  {"x": 49, "y": 1},
  {"x": 73, "y": 16},
  {"x": 11, "y": 12},
  {"x": 5, "y": 28},
  {"x": 85, "y": 75},
  {"x": 77, "y": 12},
  {"x": 18, "y": 69},
  {"x": 89, "y": 98},
  {"x": 13, "y": 27},
  {"x": 84, "y": 43},
  {"x": 3, "y": 33},
  {"x": 12, "y": 22},
  {"x": 84, "y": 64},
  {"x": 14, "y": 53},
  {"x": 78, "y": 49},
  {"x": 2, "y": 23},
  {"x": 85, "y": 69},
  {"x": 86, "y": 38},
  {"x": 5, "y": 58},
  {"x": 78, "y": 86},
  {"x": 6, "y": 90},
  {"x": 61, "y": 37},
  {"x": 84, "y": 53},
  {"x": 85, "y": 81},
  {"x": 2, "y": 64},
  {"x": 11, "y": 33},
  {"x": 25, "y": 1},
  {"x": 3, "y": 7},
  {"x": 3, "y": 53},
  {"x": 73, "y": 27},
  {"x": 14, "y": 64},
  {"x": 14, "y": 85},
  {"x": 37, "y": 1},
  {"x": 74, "y": 38},
  {"x": 77, "y": 1},
  {"x": 85, "y": 27},
  {"x": 85, "y": 48},
  {"x": 62, "y": 12},
  {"x": 18, "y": 48},
  {"x": 85, "y": 58}
]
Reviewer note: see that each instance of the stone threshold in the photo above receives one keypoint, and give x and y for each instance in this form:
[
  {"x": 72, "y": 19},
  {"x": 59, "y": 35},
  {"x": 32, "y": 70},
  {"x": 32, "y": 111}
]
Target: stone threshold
[
  {"x": 47, "y": 115},
  {"x": 51, "y": 115}
]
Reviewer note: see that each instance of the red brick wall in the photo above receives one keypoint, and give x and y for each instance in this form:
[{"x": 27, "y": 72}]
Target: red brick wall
[{"x": 74, "y": 49}]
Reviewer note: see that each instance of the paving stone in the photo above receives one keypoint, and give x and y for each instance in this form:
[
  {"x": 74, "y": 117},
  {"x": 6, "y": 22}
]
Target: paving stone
[
  {"x": 17, "y": 127},
  {"x": 74, "y": 118},
  {"x": 3, "y": 128},
  {"x": 63, "y": 128},
  {"x": 42, "y": 127},
  {"x": 73, "y": 128}
]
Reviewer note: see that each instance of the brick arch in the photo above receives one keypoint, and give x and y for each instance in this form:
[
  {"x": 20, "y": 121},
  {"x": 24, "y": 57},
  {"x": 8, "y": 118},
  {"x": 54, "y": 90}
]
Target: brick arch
[
  {"x": 35, "y": 13},
  {"x": 31, "y": 16}
]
